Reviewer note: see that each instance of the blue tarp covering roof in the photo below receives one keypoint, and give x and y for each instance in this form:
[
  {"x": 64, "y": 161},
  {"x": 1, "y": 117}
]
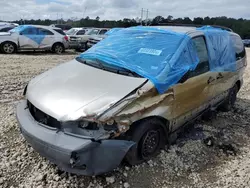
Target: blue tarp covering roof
[
  {"x": 162, "y": 56},
  {"x": 113, "y": 30},
  {"x": 220, "y": 48}
]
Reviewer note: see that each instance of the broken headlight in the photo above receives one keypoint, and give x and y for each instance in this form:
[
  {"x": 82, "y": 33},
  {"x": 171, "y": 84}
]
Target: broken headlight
[
  {"x": 89, "y": 129},
  {"x": 88, "y": 125}
]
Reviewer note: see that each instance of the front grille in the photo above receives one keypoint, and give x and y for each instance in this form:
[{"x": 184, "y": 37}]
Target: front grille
[{"x": 41, "y": 117}]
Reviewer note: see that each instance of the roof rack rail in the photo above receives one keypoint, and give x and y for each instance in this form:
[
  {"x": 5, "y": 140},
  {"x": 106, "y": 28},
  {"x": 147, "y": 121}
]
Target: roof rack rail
[{"x": 195, "y": 25}]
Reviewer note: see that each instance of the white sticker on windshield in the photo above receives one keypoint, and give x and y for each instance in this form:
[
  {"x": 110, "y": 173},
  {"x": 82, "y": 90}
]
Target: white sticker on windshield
[{"x": 149, "y": 51}]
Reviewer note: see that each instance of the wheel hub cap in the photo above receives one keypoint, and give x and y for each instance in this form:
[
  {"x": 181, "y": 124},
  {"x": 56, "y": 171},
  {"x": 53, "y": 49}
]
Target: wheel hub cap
[
  {"x": 150, "y": 143},
  {"x": 8, "y": 48}
]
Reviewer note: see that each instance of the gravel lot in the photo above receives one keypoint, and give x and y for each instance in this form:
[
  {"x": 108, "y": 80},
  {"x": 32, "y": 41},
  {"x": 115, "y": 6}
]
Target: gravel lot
[{"x": 222, "y": 160}]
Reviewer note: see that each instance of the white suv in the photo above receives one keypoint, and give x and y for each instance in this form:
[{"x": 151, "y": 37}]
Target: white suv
[{"x": 33, "y": 37}]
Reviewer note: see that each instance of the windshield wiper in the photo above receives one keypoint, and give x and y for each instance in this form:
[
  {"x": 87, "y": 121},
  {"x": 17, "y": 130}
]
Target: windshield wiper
[{"x": 98, "y": 64}]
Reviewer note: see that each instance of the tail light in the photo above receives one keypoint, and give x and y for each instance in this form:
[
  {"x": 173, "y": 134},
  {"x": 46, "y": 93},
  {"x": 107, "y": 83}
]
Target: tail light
[{"x": 66, "y": 38}]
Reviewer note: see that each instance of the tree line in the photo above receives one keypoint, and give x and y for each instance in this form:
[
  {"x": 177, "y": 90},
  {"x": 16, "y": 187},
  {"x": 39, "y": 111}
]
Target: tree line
[{"x": 240, "y": 26}]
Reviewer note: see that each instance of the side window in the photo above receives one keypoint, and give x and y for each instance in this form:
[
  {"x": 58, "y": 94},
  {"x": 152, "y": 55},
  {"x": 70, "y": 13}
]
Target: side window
[
  {"x": 103, "y": 31},
  {"x": 42, "y": 31},
  {"x": 60, "y": 31},
  {"x": 29, "y": 31},
  {"x": 6, "y": 29},
  {"x": 201, "y": 48},
  {"x": 239, "y": 47},
  {"x": 81, "y": 32},
  {"x": 94, "y": 32}
]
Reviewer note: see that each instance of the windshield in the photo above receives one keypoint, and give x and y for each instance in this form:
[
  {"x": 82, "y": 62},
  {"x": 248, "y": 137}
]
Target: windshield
[
  {"x": 93, "y": 32},
  {"x": 71, "y": 31},
  {"x": 111, "y": 68}
]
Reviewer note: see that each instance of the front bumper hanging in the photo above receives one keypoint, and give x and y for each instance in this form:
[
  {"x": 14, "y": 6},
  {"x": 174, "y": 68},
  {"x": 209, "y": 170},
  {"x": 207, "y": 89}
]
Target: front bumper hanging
[{"x": 71, "y": 153}]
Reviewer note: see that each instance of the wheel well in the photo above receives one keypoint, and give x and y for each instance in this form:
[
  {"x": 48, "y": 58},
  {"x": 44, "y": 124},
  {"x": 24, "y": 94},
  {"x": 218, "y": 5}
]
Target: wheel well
[
  {"x": 8, "y": 42},
  {"x": 164, "y": 121},
  {"x": 57, "y": 43},
  {"x": 238, "y": 83}
]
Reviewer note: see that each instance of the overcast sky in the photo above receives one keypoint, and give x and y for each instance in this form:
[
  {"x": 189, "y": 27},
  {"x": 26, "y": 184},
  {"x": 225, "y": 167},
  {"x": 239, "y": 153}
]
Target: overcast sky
[{"x": 118, "y": 9}]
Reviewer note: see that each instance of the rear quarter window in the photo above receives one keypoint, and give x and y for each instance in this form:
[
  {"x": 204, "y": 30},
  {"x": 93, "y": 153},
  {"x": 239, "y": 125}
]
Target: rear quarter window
[{"x": 59, "y": 31}]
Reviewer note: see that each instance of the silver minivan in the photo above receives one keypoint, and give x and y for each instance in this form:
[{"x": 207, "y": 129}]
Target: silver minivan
[{"x": 88, "y": 115}]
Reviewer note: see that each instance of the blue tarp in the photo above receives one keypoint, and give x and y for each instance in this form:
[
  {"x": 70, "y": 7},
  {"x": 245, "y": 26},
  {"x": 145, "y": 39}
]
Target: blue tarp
[
  {"x": 31, "y": 32},
  {"x": 160, "y": 55},
  {"x": 220, "y": 48},
  {"x": 113, "y": 30}
]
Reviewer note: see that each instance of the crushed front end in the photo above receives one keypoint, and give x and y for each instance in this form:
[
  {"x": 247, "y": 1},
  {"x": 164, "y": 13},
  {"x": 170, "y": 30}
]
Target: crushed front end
[{"x": 79, "y": 149}]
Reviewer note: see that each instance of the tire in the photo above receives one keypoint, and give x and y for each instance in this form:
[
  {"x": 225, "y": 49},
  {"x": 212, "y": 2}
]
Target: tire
[
  {"x": 8, "y": 48},
  {"x": 231, "y": 99},
  {"x": 149, "y": 137},
  {"x": 58, "y": 48}
]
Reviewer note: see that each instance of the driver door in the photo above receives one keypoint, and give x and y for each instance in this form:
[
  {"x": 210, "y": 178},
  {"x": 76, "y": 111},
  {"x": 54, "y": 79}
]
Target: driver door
[{"x": 195, "y": 91}]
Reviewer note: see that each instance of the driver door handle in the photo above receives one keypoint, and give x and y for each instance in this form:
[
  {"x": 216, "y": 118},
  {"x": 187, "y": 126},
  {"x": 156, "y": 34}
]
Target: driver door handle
[{"x": 210, "y": 80}]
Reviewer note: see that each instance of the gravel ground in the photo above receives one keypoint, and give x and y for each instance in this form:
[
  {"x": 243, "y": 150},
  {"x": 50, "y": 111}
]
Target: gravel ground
[{"x": 213, "y": 153}]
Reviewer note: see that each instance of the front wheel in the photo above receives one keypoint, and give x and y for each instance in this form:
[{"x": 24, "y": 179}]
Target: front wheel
[
  {"x": 149, "y": 137},
  {"x": 8, "y": 48}
]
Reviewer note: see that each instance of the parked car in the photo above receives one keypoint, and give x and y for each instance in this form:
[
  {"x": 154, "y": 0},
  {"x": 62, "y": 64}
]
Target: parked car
[
  {"x": 33, "y": 37},
  {"x": 64, "y": 27},
  {"x": 8, "y": 23},
  {"x": 246, "y": 42},
  {"x": 80, "y": 42},
  {"x": 125, "y": 101},
  {"x": 95, "y": 39},
  {"x": 7, "y": 28},
  {"x": 75, "y": 35}
]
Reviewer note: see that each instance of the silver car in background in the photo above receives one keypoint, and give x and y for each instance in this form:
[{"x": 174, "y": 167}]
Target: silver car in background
[
  {"x": 95, "y": 39},
  {"x": 75, "y": 36},
  {"x": 80, "y": 44}
]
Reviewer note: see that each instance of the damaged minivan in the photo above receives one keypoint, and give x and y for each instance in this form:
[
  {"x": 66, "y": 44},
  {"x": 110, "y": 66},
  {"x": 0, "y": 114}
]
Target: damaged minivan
[{"x": 124, "y": 97}]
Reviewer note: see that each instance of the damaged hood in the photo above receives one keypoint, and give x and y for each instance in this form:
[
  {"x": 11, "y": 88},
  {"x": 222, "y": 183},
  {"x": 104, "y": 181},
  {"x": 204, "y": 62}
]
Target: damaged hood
[{"x": 73, "y": 90}]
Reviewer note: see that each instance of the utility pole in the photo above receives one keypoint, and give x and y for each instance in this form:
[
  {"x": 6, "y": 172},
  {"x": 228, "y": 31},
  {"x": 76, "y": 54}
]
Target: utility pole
[
  {"x": 84, "y": 12},
  {"x": 147, "y": 18},
  {"x": 142, "y": 15}
]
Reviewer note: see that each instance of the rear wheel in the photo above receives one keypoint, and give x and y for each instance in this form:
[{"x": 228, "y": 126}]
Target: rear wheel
[
  {"x": 8, "y": 48},
  {"x": 149, "y": 137},
  {"x": 231, "y": 99},
  {"x": 58, "y": 48}
]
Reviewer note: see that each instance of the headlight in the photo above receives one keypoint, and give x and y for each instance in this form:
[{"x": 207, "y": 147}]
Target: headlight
[{"x": 89, "y": 129}]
